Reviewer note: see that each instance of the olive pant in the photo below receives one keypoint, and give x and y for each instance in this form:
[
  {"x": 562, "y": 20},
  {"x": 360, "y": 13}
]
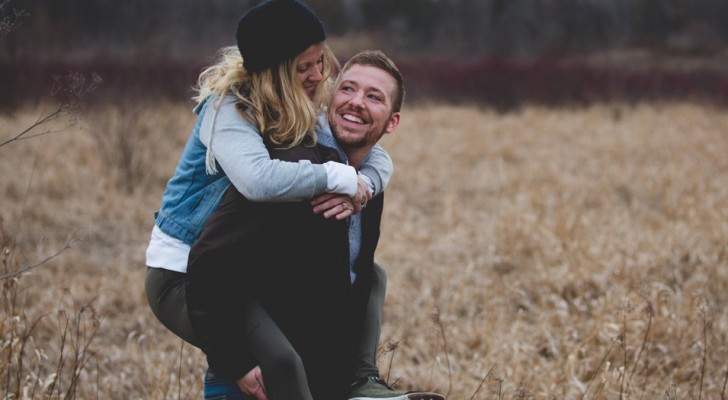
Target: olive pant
[{"x": 282, "y": 368}]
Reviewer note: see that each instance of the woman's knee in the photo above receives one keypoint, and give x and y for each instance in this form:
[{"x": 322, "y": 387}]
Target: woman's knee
[{"x": 286, "y": 363}]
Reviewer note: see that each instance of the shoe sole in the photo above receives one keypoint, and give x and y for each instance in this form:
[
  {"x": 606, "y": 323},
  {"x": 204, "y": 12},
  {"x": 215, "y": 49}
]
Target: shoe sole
[
  {"x": 411, "y": 396},
  {"x": 425, "y": 396},
  {"x": 398, "y": 397}
]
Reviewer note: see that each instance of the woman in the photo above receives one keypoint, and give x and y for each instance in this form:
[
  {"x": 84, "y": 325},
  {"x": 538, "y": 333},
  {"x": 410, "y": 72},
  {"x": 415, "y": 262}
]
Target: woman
[{"x": 277, "y": 89}]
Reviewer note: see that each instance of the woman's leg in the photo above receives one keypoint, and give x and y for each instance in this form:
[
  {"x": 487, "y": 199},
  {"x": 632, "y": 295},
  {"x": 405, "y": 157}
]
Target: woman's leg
[
  {"x": 283, "y": 372},
  {"x": 366, "y": 348},
  {"x": 165, "y": 291},
  {"x": 284, "y": 376}
]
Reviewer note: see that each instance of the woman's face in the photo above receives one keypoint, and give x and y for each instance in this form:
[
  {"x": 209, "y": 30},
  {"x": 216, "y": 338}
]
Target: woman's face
[{"x": 309, "y": 67}]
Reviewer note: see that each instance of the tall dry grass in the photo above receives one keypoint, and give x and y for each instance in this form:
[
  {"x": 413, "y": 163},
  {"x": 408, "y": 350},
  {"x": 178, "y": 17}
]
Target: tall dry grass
[{"x": 544, "y": 253}]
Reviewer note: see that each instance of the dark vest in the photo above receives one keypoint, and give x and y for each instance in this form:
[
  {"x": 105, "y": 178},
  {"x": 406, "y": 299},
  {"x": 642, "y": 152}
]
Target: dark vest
[{"x": 295, "y": 264}]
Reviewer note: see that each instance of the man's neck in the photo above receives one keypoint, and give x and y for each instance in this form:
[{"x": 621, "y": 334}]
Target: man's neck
[{"x": 356, "y": 156}]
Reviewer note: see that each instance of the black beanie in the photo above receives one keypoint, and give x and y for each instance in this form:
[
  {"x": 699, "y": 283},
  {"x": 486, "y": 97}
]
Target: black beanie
[{"x": 275, "y": 31}]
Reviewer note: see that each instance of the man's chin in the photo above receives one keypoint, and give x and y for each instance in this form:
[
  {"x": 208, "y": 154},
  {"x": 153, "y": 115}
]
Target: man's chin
[{"x": 350, "y": 142}]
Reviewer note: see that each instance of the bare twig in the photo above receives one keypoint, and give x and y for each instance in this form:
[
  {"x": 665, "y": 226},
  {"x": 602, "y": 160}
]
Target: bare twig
[
  {"x": 596, "y": 373},
  {"x": 179, "y": 370},
  {"x": 725, "y": 381},
  {"x": 623, "y": 342},
  {"x": 483, "y": 380},
  {"x": 39, "y": 121},
  {"x": 645, "y": 341},
  {"x": 705, "y": 351},
  {"x": 23, "y": 270},
  {"x": 62, "y": 317},
  {"x": 438, "y": 321},
  {"x": 71, "y": 87},
  {"x": 391, "y": 348},
  {"x": 81, "y": 340},
  {"x": 10, "y": 23}
]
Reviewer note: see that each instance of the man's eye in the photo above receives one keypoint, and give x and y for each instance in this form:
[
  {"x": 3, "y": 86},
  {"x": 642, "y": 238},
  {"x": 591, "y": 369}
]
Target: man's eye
[{"x": 375, "y": 97}]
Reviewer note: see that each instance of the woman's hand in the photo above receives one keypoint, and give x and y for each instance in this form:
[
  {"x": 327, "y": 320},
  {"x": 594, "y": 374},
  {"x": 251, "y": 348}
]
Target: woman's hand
[
  {"x": 334, "y": 205},
  {"x": 252, "y": 384},
  {"x": 363, "y": 194}
]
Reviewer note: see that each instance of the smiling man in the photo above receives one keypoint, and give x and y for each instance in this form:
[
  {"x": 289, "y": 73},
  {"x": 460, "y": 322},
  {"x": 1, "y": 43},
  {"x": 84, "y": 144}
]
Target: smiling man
[{"x": 366, "y": 106}]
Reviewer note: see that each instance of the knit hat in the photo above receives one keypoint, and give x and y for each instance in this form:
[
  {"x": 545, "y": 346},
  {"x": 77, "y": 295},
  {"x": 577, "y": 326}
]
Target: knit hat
[{"x": 276, "y": 30}]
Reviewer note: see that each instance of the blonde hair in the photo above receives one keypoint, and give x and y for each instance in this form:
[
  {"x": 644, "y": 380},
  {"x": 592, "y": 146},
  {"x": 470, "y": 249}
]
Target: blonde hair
[{"x": 273, "y": 99}]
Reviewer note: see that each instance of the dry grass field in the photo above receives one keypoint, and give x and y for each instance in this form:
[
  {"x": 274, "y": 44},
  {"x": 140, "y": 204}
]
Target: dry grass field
[{"x": 538, "y": 254}]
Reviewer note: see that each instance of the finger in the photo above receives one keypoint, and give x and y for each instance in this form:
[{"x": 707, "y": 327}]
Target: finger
[
  {"x": 259, "y": 394},
  {"x": 330, "y": 204},
  {"x": 340, "y": 211},
  {"x": 322, "y": 198},
  {"x": 326, "y": 206},
  {"x": 339, "y": 208},
  {"x": 345, "y": 214},
  {"x": 339, "y": 215},
  {"x": 259, "y": 379}
]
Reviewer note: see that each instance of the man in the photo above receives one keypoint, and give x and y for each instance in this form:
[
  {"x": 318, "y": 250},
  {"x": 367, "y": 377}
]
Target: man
[{"x": 365, "y": 106}]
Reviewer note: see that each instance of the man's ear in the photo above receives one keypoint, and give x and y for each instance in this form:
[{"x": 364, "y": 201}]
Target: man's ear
[{"x": 392, "y": 123}]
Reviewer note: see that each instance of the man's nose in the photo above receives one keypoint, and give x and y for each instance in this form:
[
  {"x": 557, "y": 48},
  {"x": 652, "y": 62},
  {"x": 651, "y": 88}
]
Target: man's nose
[{"x": 357, "y": 99}]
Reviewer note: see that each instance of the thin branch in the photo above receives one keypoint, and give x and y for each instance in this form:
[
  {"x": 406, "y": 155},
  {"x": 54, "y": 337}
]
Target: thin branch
[
  {"x": 624, "y": 352},
  {"x": 8, "y": 24},
  {"x": 705, "y": 353},
  {"x": 23, "y": 270},
  {"x": 483, "y": 380},
  {"x": 179, "y": 370},
  {"x": 47, "y": 132},
  {"x": 391, "y": 348},
  {"x": 645, "y": 341},
  {"x": 447, "y": 353},
  {"x": 41, "y": 120},
  {"x": 596, "y": 373}
]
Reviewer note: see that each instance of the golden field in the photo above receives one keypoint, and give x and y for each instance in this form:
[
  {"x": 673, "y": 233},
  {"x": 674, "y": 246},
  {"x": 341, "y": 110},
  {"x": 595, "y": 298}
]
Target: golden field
[{"x": 537, "y": 254}]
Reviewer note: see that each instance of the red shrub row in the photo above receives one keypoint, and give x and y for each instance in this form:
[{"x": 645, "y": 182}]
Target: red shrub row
[
  {"x": 507, "y": 84},
  {"x": 499, "y": 83}
]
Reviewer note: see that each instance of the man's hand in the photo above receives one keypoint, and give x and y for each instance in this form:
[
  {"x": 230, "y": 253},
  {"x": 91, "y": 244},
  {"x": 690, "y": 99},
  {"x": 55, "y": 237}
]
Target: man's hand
[
  {"x": 252, "y": 384},
  {"x": 333, "y": 205}
]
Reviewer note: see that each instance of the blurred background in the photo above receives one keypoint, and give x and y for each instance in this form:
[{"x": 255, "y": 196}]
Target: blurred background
[
  {"x": 555, "y": 228},
  {"x": 496, "y": 52}
]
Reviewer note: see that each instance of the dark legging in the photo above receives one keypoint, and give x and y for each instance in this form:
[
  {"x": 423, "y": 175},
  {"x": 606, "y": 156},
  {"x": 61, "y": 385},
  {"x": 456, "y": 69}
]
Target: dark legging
[{"x": 282, "y": 368}]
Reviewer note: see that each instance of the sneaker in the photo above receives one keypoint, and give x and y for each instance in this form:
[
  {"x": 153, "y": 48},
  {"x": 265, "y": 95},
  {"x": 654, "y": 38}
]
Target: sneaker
[
  {"x": 217, "y": 388},
  {"x": 374, "y": 388}
]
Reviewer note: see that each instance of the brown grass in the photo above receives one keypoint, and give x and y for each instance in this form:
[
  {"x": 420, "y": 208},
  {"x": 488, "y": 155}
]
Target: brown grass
[{"x": 546, "y": 253}]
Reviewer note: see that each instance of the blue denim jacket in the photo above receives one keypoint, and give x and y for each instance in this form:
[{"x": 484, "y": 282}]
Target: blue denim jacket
[{"x": 191, "y": 194}]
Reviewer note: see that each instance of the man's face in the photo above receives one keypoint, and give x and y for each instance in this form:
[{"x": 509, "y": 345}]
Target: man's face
[{"x": 360, "y": 111}]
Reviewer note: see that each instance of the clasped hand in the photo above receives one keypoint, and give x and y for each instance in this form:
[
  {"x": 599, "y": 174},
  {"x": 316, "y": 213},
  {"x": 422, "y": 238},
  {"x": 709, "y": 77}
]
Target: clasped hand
[{"x": 341, "y": 206}]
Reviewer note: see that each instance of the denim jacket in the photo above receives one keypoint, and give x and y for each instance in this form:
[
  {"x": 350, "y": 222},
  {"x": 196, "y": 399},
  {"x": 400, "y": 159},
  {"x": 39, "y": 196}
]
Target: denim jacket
[{"x": 191, "y": 194}]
